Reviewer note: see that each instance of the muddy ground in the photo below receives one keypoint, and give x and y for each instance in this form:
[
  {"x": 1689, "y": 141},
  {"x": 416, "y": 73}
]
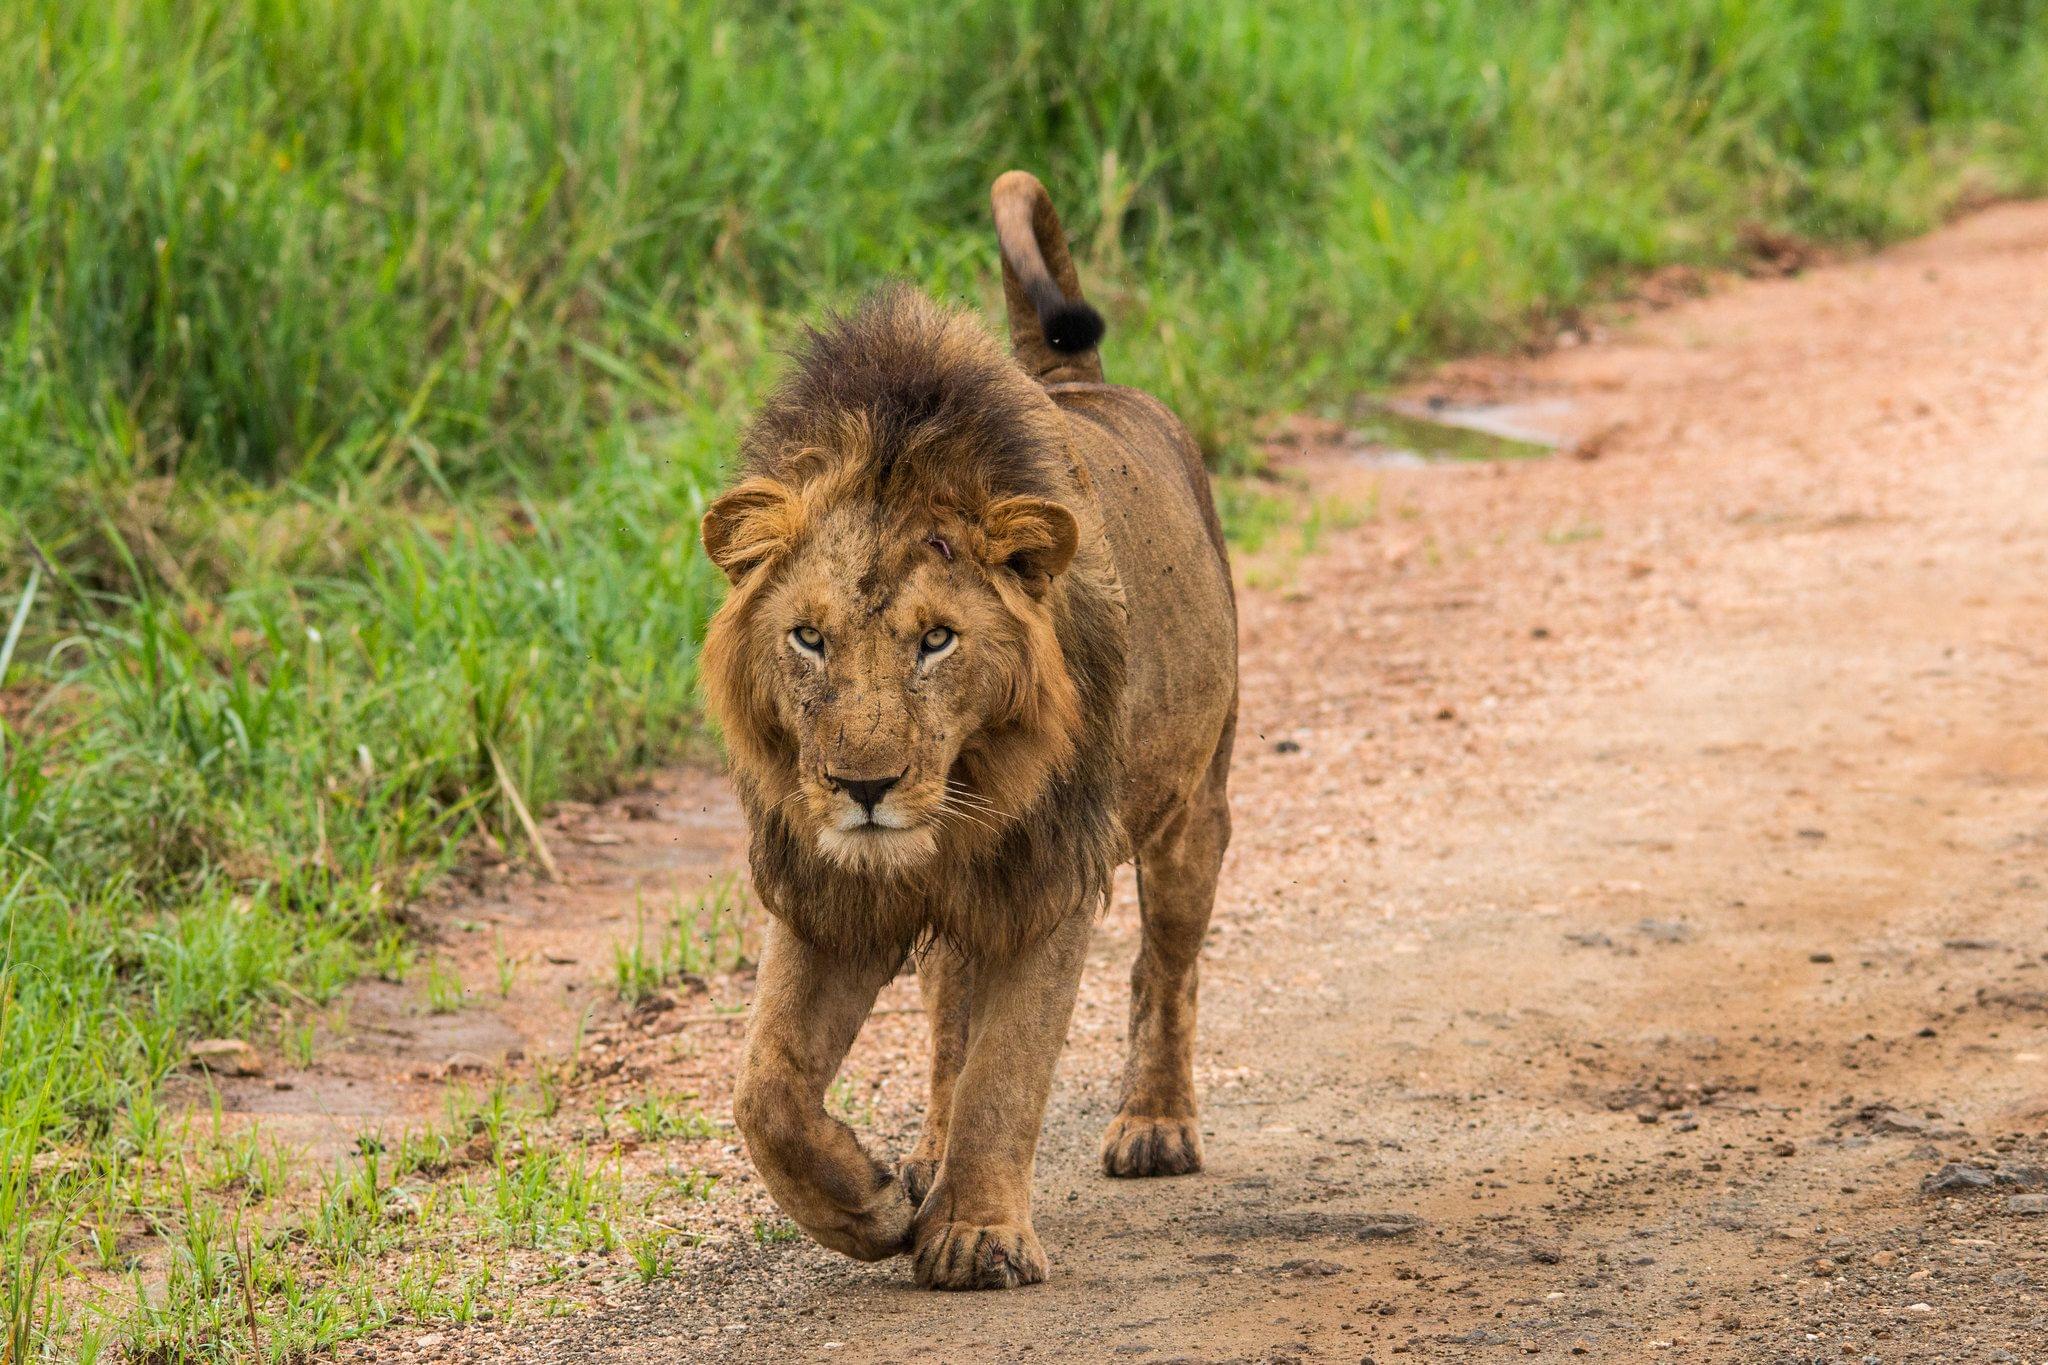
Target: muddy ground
[{"x": 1632, "y": 946}]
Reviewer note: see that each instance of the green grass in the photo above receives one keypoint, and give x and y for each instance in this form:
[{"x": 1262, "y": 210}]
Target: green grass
[
  {"x": 364, "y": 367},
  {"x": 695, "y": 938}
]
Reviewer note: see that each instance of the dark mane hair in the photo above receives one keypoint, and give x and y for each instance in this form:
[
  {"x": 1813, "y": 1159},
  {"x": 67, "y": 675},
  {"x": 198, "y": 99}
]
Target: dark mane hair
[{"x": 916, "y": 401}]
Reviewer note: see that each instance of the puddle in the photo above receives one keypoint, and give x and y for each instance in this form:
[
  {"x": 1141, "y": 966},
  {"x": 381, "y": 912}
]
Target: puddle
[{"x": 1400, "y": 434}]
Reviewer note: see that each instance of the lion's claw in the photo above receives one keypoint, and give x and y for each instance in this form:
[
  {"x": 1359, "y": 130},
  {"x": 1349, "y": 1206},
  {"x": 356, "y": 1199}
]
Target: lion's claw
[
  {"x": 917, "y": 1177},
  {"x": 967, "y": 1256},
  {"x": 1136, "y": 1146}
]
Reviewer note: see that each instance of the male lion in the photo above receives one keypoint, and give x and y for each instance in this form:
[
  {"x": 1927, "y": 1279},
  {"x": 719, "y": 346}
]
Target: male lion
[{"x": 980, "y": 648}]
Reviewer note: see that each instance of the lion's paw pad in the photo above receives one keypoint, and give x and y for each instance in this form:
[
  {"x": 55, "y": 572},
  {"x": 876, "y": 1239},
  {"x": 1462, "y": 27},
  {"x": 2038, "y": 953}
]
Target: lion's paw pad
[
  {"x": 971, "y": 1256},
  {"x": 1138, "y": 1146}
]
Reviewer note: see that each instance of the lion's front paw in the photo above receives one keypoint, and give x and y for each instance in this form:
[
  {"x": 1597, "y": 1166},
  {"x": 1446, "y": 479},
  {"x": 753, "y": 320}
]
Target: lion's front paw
[
  {"x": 971, "y": 1256},
  {"x": 917, "y": 1177},
  {"x": 1136, "y": 1146},
  {"x": 875, "y": 1231}
]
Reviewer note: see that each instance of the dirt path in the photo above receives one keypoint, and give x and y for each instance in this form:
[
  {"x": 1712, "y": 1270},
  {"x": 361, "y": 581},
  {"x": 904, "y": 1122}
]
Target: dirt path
[{"x": 1638, "y": 893}]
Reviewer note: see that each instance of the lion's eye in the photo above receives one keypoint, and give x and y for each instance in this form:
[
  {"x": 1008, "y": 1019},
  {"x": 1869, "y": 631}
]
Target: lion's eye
[
  {"x": 936, "y": 641},
  {"x": 808, "y": 640}
]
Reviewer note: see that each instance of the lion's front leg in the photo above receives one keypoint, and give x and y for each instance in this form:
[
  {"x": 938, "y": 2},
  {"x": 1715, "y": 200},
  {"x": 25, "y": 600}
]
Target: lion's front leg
[
  {"x": 943, "y": 981},
  {"x": 974, "y": 1230},
  {"x": 807, "y": 1011}
]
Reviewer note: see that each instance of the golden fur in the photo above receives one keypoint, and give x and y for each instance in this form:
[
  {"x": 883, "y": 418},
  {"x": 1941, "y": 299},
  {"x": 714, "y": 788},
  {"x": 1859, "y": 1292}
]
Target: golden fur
[{"x": 979, "y": 649}]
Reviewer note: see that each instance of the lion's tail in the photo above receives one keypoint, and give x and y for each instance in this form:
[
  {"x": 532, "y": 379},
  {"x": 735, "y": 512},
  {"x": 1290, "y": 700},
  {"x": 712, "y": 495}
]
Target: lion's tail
[{"x": 1052, "y": 328}]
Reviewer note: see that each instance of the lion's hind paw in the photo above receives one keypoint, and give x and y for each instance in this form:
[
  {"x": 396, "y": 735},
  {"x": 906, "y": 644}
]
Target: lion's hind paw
[{"x": 1138, "y": 1146}]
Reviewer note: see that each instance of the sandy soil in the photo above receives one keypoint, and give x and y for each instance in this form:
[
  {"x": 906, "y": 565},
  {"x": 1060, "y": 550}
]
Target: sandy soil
[{"x": 1636, "y": 907}]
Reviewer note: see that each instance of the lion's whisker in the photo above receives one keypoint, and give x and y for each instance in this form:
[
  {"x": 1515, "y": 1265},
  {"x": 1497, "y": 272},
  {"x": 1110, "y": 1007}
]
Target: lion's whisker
[
  {"x": 969, "y": 797},
  {"x": 962, "y": 813}
]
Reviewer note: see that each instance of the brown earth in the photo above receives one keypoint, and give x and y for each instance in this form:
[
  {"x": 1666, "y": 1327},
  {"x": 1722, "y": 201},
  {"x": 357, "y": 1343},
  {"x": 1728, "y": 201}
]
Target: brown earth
[{"x": 1637, "y": 895}]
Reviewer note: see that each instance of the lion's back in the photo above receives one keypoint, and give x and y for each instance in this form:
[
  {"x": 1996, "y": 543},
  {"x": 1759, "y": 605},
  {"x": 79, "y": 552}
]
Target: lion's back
[{"x": 1160, "y": 519}]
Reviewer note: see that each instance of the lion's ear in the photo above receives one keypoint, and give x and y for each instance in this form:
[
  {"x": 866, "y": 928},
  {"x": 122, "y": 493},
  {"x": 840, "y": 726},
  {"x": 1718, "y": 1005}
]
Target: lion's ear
[
  {"x": 755, "y": 521},
  {"x": 1033, "y": 538}
]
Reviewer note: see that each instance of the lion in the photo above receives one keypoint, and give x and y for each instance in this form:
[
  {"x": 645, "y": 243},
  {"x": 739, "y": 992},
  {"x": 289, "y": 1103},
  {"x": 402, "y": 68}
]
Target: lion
[{"x": 980, "y": 649}]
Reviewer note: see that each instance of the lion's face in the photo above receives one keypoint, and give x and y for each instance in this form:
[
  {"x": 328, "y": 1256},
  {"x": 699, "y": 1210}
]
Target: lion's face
[{"x": 890, "y": 680}]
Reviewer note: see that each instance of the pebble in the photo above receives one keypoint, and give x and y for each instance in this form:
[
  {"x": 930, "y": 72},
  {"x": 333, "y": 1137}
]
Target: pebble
[{"x": 2027, "y": 1204}]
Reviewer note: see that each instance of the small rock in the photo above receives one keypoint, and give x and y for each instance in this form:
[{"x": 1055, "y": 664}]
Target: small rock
[
  {"x": 1884, "y": 1260},
  {"x": 1310, "y": 1268},
  {"x": 1784, "y": 1149},
  {"x": 465, "y": 1064},
  {"x": 1287, "y": 746},
  {"x": 1895, "y": 1121},
  {"x": 1381, "y": 1225},
  {"x": 226, "y": 1056},
  {"x": 2029, "y": 1204},
  {"x": 1956, "y": 1178},
  {"x": 1820, "y": 957}
]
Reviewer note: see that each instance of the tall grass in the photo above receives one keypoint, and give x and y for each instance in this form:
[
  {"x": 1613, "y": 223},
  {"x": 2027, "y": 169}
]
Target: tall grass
[{"x": 364, "y": 365}]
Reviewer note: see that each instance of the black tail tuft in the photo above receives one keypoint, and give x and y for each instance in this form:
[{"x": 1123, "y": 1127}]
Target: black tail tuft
[
  {"x": 1069, "y": 326},
  {"x": 1052, "y": 329},
  {"x": 1072, "y": 328}
]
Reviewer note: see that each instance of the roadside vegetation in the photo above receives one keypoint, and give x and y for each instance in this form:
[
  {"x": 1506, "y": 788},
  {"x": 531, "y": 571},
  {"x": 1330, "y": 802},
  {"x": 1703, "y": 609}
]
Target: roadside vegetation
[{"x": 364, "y": 368}]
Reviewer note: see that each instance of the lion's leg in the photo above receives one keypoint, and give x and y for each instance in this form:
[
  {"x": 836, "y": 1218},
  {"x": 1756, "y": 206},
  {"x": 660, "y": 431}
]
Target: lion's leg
[
  {"x": 1155, "y": 1131},
  {"x": 974, "y": 1230},
  {"x": 807, "y": 1010},
  {"x": 942, "y": 979}
]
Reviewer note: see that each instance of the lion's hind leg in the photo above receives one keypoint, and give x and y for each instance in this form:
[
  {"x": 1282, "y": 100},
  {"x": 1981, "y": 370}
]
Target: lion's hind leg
[{"x": 1156, "y": 1130}]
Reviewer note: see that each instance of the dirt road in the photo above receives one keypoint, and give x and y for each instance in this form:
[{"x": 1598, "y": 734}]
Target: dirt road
[{"x": 1637, "y": 898}]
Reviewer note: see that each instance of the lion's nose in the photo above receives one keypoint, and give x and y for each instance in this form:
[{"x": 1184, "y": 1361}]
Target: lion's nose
[{"x": 867, "y": 791}]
